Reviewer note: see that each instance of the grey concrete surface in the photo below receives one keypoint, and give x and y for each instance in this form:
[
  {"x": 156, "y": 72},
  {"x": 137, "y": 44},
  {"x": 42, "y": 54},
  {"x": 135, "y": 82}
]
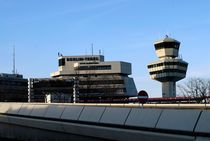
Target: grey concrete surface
[
  {"x": 202, "y": 138},
  {"x": 4, "y": 107},
  {"x": 26, "y": 109},
  {"x": 143, "y": 117},
  {"x": 4, "y": 119},
  {"x": 91, "y": 114},
  {"x": 72, "y": 112},
  {"x": 39, "y": 110},
  {"x": 24, "y": 133},
  {"x": 36, "y": 129},
  {"x": 203, "y": 125},
  {"x": 54, "y": 111},
  {"x": 115, "y": 115},
  {"x": 14, "y": 108},
  {"x": 181, "y": 120},
  {"x": 36, "y": 123}
]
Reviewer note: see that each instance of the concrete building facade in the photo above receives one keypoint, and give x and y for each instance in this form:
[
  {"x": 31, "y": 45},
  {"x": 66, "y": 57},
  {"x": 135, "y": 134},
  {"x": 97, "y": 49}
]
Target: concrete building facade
[
  {"x": 50, "y": 90},
  {"x": 98, "y": 79},
  {"x": 13, "y": 88}
]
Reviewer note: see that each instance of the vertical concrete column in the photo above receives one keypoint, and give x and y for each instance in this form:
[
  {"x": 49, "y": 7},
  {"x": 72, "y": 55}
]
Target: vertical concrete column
[
  {"x": 169, "y": 89},
  {"x": 30, "y": 89},
  {"x": 75, "y": 89}
]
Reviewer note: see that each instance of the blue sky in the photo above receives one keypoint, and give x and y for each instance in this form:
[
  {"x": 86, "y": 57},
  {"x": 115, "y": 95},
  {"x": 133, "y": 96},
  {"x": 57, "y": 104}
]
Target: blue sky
[{"x": 124, "y": 29}]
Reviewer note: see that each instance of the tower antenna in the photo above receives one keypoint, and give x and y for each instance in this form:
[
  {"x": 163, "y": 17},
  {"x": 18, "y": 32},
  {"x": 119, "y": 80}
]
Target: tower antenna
[
  {"x": 99, "y": 51},
  {"x": 13, "y": 71},
  {"x": 92, "y": 48},
  {"x": 103, "y": 52},
  {"x": 86, "y": 51}
]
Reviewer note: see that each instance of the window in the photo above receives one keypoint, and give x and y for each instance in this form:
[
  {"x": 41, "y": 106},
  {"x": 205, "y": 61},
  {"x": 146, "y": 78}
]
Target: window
[
  {"x": 61, "y": 62},
  {"x": 105, "y": 67},
  {"x": 167, "y": 71},
  {"x": 167, "y": 45},
  {"x": 168, "y": 64},
  {"x": 101, "y": 82}
]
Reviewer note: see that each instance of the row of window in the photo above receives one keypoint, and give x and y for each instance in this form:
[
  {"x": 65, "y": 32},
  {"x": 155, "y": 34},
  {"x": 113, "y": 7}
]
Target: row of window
[
  {"x": 103, "y": 82},
  {"x": 167, "y": 64},
  {"x": 168, "y": 71},
  {"x": 13, "y": 83},
  {"x": 53, "y": 84},
  {"x": 105, "y": 90},
  {"x": 167, "y": 45},
  {"x": 104, "y": 67},
  {"x": 89, "y": 63}
]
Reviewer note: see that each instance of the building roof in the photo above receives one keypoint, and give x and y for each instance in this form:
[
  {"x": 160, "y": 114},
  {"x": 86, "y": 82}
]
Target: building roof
[
  {"x": 7, "y": 75},
  {"x": 166, "y": 39}
]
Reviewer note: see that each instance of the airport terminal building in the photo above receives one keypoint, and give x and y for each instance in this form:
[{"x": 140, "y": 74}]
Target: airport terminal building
[{"x": 97, "y": 79}]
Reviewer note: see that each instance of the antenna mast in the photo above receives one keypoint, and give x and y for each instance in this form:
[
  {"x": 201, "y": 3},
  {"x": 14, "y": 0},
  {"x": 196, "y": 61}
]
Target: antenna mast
[
  {"x": 92, "y": 48},
  {"x": 13, "y": 71}
]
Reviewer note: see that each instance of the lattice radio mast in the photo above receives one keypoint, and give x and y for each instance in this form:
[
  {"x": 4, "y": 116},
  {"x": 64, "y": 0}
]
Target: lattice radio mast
[{"x": 13, "y": 71}]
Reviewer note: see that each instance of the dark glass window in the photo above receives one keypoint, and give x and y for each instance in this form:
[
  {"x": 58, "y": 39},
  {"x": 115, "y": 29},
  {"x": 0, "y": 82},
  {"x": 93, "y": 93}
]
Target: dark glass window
[
  {"x": 102, "y": 82},
  {"x": 168, "y": 64},
  {"x": 167, "y": 45},
  {"x": 61, "y": 62},
  {"x": 167, "y": 71},
  {"x": 105, "y": 67}
]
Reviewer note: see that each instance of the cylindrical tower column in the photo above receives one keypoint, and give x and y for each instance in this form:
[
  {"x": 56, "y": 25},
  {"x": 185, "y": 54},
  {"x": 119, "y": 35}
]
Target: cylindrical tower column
[{"x": 169, "y": 89}]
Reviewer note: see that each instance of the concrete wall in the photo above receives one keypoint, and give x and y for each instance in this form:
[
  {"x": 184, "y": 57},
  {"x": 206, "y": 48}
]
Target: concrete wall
[
  {"x": 117, "y": 67},
  {"x": 25, "y": 121}
]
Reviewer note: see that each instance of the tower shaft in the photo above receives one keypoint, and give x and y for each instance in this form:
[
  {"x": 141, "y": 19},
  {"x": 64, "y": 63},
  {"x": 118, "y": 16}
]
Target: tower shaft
[{"x": 169, "y": 89}]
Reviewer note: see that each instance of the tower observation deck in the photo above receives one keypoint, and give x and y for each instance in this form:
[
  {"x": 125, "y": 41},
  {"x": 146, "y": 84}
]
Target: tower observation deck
[{"x": 170, "y": 68}]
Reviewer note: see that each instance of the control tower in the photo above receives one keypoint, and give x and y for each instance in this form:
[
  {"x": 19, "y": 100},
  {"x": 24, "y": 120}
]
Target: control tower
[{"x": 170, "y": 68}]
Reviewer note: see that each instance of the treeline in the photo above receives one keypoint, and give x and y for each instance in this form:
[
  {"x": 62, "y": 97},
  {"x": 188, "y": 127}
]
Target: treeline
[{"x": 196, "y": 88}]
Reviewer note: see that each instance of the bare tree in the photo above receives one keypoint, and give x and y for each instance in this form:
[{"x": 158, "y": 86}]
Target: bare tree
[
  {"x": 208, "y": 87},
  {"x": 196, "y": 88}
]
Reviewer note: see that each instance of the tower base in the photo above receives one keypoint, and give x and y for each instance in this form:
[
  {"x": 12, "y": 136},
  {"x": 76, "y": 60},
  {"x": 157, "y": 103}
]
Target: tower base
[{"x": 169, "y": 89}]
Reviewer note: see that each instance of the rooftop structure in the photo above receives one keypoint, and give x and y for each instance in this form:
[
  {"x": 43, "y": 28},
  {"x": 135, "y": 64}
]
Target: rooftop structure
[
  {"x": 90, "y": 64},
  {"x": 170, "y": 68}
]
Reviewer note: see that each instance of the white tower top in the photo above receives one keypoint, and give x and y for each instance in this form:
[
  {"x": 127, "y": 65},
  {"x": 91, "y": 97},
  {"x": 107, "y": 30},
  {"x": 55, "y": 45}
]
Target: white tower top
[{"x": 167, "y": 48}]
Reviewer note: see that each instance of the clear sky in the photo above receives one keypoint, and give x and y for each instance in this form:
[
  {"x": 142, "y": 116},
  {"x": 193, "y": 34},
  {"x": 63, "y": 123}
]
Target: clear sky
[{"x": 124, "y": 29}]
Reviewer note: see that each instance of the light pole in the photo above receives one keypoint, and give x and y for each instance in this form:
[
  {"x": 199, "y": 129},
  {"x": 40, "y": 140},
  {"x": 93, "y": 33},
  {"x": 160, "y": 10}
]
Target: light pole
[{"x": 75, "y": 89}]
